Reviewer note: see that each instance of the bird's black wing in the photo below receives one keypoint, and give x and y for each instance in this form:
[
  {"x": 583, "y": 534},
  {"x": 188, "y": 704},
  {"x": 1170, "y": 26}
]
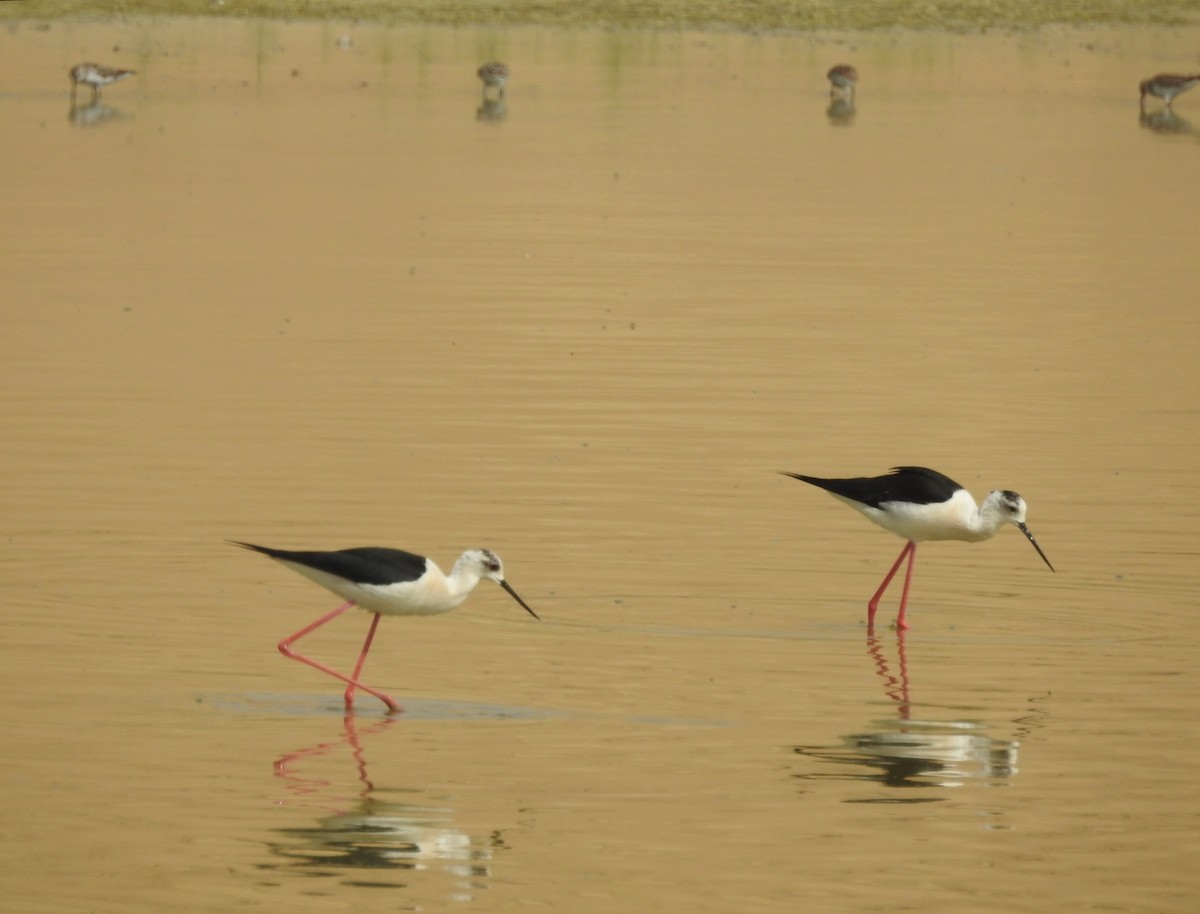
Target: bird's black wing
[
  {"x": 362, "y": 565},
  {"x": 918, "y": 485}
]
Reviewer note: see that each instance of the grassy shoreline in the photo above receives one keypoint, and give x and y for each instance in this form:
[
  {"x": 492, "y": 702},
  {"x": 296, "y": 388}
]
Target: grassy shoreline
[{"x": 782, "y": 15}]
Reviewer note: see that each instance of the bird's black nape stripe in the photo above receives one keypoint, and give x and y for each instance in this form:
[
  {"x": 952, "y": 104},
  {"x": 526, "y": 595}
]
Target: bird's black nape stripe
[
  {"x": 362, "y": 565},
  {"x": 915, "y": 485}
]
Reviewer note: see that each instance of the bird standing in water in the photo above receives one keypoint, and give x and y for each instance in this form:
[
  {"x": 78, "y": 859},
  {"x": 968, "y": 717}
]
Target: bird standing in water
[
  {"x": 95, "y": 75},
  {"x": 842, "y": 78},
  {"x": 494, "y": 75},
  {"x": 387, "y": 582},
  {"x": 1166, "y": 86},
  {"x": 920, "y": 504}
]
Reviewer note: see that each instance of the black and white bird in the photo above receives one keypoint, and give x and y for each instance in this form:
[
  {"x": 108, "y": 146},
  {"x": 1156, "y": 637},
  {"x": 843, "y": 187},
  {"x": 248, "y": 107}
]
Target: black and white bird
[
  {"x": 920, "y": 504},
  {"x": 386, "y": 582}
]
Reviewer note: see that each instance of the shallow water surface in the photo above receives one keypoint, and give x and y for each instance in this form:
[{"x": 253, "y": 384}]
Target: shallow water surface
[{"x": 281, "y": 290}]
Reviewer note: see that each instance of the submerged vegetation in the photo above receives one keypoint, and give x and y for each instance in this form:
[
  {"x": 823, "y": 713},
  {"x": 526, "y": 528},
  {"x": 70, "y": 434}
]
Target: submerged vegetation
[{"x": 955, "y": 15}]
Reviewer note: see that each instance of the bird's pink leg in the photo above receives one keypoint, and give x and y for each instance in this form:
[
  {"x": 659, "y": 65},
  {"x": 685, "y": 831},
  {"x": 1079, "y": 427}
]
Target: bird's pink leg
[
  {"x": 901, "y": 625},
  {"x": 873, "y": 604},
  {"x": 285, "y": 648},
  {"x": 362, "y": 659}
]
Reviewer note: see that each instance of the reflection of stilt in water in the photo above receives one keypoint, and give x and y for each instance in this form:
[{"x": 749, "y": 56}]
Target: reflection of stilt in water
[
  {"x": 360, "y": 760},
  {"x": 896, "y": 686},
  {"x": 1033, "y": 719},
  {"x": 368, "y": 833},
  {"x": 307, "y": 786},
  {"x": 920, "y": 753}
]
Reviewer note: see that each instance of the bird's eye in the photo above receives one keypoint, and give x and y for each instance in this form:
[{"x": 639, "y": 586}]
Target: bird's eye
[{"x": 1011, "y": 501}]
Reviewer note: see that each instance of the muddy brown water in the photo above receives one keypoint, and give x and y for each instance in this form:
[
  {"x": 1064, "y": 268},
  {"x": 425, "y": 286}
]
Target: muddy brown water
[{"x": 278, "y": 290}]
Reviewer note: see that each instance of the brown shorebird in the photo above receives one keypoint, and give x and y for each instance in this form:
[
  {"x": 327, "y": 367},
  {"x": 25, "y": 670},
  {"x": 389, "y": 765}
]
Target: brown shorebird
[
  {"x": 842, "y": 79},
  {"x": 95, "y": 75},
  {"x": 1166, "y": 86},
  {"x": 495, "y": 75}
]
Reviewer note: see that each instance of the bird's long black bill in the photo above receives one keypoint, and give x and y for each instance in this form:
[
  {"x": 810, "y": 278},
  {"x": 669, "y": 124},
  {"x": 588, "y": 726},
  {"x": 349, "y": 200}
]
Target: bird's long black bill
[
  {"x": 512, "y": 593},
  {"x": 1029, "y": 536}
]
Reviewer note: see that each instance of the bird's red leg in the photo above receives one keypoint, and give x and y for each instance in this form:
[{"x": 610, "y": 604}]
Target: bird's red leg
[
  {"x": 901, "y": 625},
  {"x": 362, "y": 659},
  {"x": 285, "y": 648},
  {"x": 873, "y": 604}
]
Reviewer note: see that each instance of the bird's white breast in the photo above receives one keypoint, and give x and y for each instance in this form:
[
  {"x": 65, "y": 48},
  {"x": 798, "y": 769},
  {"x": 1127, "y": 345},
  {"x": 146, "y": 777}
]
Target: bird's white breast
[
  {"x": 426, "y": 596},
  {"x": 947, "y": 520}
]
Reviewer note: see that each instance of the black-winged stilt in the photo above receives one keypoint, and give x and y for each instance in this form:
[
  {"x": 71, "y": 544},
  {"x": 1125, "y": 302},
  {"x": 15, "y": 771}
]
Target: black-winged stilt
[
  {"x": 920, "y": 504},
  {"x": 387, "y": 582}
]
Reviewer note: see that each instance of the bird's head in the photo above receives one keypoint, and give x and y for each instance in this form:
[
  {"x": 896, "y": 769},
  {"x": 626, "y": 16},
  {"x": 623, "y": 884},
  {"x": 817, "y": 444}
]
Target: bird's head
[
  {"x": 1007, "y": 507},
  {"x": 486, "y": 564}
]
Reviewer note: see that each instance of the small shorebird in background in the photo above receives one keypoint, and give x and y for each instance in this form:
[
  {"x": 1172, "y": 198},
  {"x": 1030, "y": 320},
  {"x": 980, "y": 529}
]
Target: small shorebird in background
[
  {"x": 842, "y": 80},
  {"x": 95, "y": 75},
  {"x": 495, "y": 75},
  {"x": 1166, "y": 86}
]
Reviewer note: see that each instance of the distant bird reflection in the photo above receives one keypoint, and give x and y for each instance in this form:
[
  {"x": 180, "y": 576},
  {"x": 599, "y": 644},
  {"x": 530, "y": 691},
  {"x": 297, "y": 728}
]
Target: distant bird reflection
[
  {"x": 1165, "y": 120},
  {"x": 840, "y": 111},
  {"x": 492, "y": 109},
  {"x": 908, "y": 753},
  {"x": 93, "y": 114},
  {"x": 366, "y": 839}
]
